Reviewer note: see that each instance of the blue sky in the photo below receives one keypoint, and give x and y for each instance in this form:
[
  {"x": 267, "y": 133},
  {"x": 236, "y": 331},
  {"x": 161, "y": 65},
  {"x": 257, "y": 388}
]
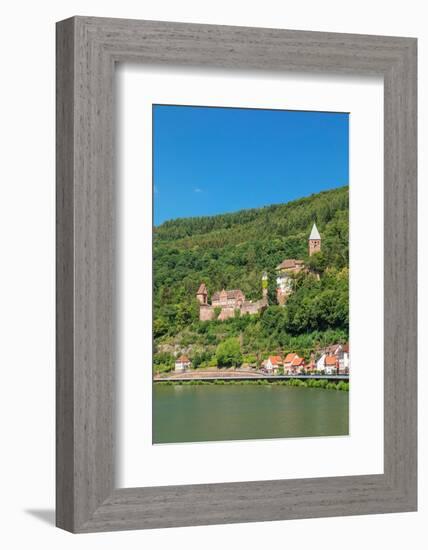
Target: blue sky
[{"x": 213, "y": 160}]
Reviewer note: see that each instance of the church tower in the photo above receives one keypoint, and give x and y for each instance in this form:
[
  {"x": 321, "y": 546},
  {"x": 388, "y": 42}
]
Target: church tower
[{"x": 314, "y": 241}]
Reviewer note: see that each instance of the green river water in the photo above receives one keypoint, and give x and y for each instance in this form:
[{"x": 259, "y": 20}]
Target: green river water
[{"x": 233, "y": 412}]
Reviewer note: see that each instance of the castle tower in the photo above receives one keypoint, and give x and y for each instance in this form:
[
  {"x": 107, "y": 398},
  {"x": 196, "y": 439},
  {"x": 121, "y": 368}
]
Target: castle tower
[
  {"x": 265, "y": 286},
  {"x": 202, "y": 295},
  {"x": 314, "y": 241}
]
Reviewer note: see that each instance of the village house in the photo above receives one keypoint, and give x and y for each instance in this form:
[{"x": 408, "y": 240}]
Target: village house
[
  {"x": 273, "y": 364},
  {"x": 288, "y": 361},
  {"x": 334, "y": 360},
  {"x": 293, "y": 364},
  {"x": 287, "y": 269},
  {"x": 344, "y": 359},
  {"x": 229, "y": 302},
  {"x": 340, "y": 353},
  {"x": 297, "y": 365},
  {"x": 331, "y": 365},
  {"x": 182, "y": 363}
]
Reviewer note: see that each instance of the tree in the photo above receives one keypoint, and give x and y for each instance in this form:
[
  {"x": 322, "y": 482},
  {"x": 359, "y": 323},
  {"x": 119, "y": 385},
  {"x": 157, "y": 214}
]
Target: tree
[
  {"x": 228, "y": 353},
  {"x": 160, "y": 327},
  {"x": 317, "y": 262},
  {"x": 217, "y": 311}
]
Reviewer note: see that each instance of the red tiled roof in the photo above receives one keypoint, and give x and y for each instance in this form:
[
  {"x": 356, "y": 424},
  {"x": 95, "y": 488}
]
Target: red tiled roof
[
  {"x": 202, "y": 289},
  {"x": 297, "y": 361},
  {"x": 289, "y": 358},
  {"x": 183, "y": 359},
  {"x": 275, "y": 359},
  {"x": 330, "y": 360},
  {"x": 231, "y": 294},
  {"x": 290, "y": 264}
]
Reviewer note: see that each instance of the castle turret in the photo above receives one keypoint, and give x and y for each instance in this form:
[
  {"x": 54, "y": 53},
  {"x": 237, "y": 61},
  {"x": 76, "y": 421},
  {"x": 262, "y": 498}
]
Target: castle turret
[
  {"x": 202, "y": 295},
  {"x": 314, "y": 241}
]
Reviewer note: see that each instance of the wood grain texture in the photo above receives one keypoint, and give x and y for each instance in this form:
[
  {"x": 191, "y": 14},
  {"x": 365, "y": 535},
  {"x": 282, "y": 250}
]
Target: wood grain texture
[
  {"x": 64, "y": 276},
  {"x": 87, "y": 49}
]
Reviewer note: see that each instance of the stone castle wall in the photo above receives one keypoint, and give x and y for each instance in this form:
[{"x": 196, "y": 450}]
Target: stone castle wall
[
  {"x": 206, "y": 312},
  {"x": 253, "y": 307},
  {"x": 226, "y": 313}
]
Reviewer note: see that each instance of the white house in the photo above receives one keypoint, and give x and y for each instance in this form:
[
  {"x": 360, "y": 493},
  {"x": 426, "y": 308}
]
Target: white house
[
  {"x": 344, "y": 360},
  {"x": 182, "y": 363},
  {"x": 338, "y": 359},
  {"x": 273, "y": 363},
  {"x": 321, "y": 363}
]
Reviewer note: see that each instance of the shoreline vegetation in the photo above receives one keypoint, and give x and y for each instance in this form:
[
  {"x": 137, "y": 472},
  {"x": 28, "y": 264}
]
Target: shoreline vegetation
[{"x": 293, "y": 382}]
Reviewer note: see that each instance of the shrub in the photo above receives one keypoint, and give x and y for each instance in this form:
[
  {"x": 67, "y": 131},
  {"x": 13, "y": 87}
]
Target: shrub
[{"x": 228, "y": 353}]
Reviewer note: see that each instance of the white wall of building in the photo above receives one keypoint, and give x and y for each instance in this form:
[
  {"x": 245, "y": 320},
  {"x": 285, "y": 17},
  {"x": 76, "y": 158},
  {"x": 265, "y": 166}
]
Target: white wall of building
[{"x": 321, "y": 362}]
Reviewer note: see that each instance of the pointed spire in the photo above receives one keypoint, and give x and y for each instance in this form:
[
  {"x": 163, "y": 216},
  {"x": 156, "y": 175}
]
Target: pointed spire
[{"x": 314, "y": 234}]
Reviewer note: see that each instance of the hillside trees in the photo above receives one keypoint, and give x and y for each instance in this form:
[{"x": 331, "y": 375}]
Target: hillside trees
[{"x": 231, "y": 251}]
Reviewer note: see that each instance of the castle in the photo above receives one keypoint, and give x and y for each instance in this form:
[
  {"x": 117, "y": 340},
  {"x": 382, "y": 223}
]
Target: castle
[
  {"x": 229, "y": 301},
  {"x": 225, "y": 303}
]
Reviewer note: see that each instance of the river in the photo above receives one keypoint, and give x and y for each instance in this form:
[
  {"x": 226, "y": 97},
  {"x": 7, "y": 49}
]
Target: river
[{"x": 232, "y": 412}]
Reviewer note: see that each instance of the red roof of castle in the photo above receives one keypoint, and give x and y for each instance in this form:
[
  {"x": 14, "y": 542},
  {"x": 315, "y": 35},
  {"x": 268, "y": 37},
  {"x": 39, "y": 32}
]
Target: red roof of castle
[
  {"x": 290, "y": 264},
  {"x": 202, "y": 289},
  {"x": 237, "y": 293}
]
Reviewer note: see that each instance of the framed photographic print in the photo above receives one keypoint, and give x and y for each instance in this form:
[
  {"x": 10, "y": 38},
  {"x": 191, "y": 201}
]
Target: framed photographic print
[
  {"x": 236, "y": 274},
  {"x": 235, "y": 288}
]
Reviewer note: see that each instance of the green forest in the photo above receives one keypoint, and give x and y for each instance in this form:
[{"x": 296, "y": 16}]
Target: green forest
[{"x": 231, "y": 251}]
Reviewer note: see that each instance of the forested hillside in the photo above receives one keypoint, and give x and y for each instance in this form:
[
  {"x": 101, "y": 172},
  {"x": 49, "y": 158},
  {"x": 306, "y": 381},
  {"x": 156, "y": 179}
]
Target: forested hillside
[{"x": 231, "y": 251}]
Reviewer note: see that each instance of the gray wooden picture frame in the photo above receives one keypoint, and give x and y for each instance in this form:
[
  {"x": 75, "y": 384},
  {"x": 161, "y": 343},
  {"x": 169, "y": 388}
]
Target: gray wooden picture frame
[{"x": 87, "y": 50}]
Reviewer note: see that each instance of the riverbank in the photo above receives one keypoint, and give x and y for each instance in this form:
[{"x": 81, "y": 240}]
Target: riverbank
[{"x": 328, "y": 384}]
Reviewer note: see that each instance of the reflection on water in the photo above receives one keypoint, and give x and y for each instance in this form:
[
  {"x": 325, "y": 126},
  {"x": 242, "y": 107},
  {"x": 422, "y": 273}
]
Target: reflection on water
[{"x": 232, "y": 412}]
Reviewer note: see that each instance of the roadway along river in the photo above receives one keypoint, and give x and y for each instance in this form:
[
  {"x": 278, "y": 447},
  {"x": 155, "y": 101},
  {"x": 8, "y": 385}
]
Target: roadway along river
[{"x": 218, "y": 413}]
